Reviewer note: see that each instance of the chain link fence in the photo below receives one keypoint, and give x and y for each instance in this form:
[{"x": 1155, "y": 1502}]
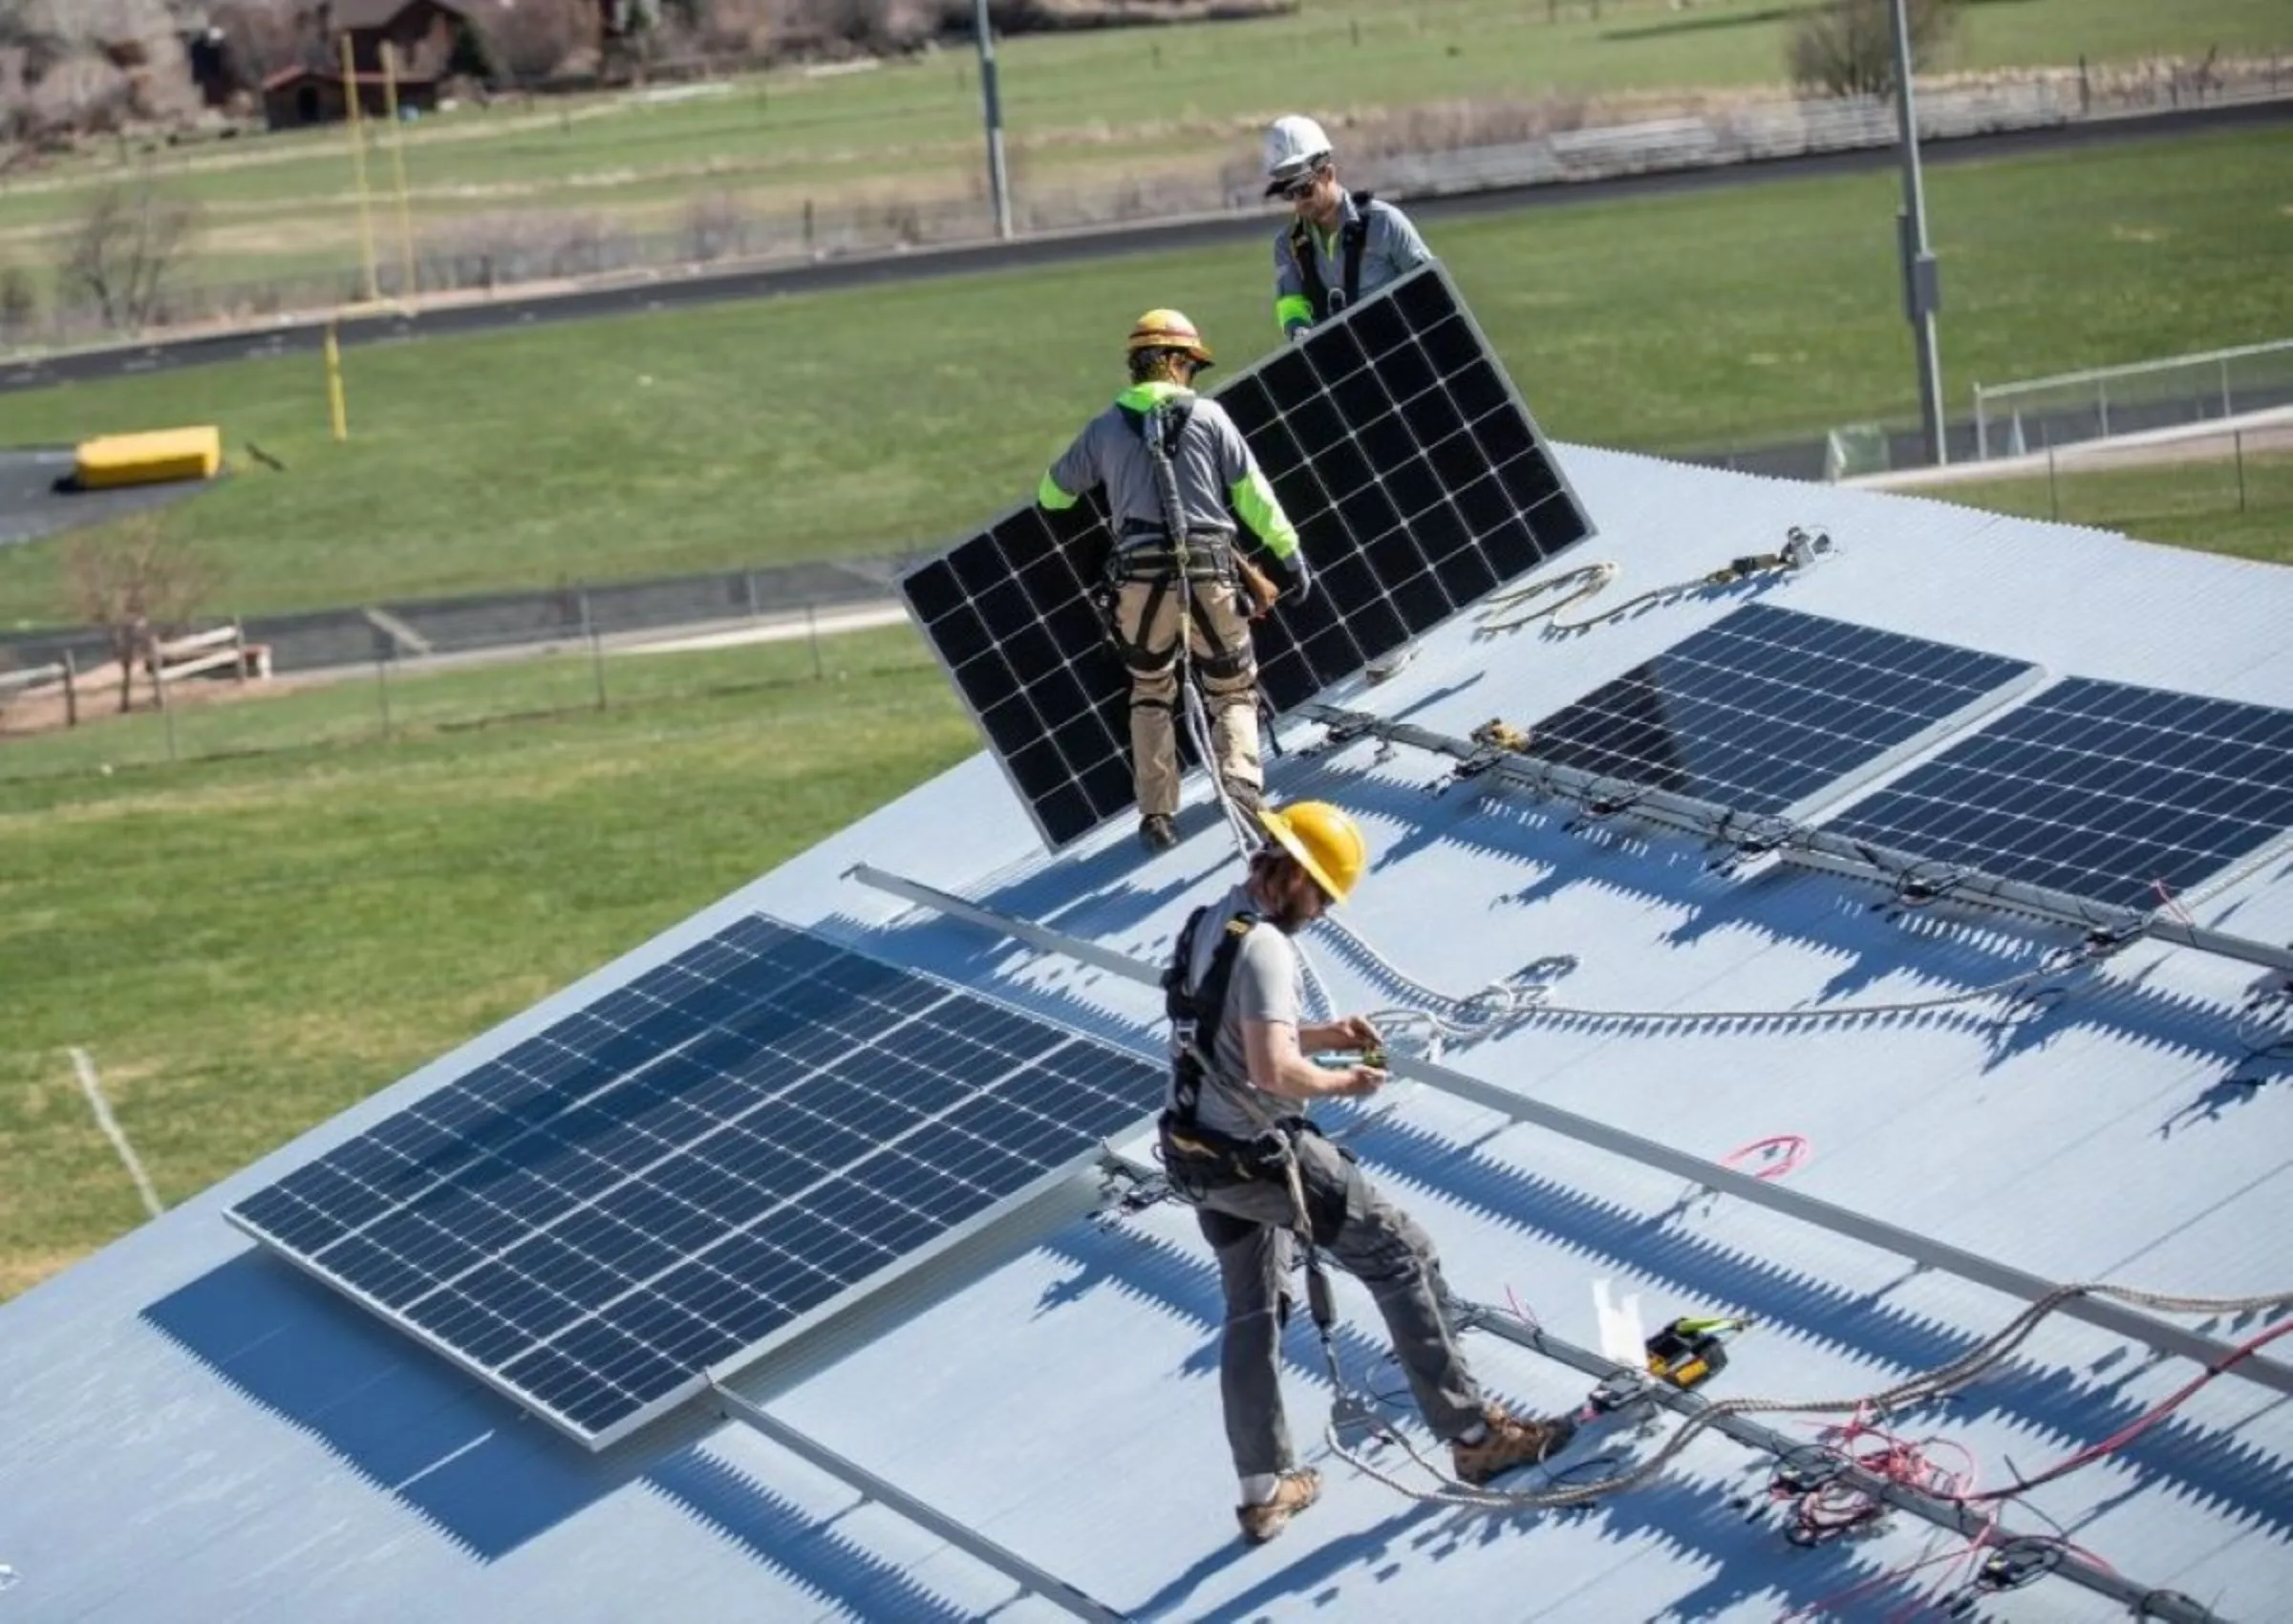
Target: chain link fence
[
  {"x": 454, "y": 686},
  {"x": 1411, "y": 153},
  {"x": 2016, "y": 419}
]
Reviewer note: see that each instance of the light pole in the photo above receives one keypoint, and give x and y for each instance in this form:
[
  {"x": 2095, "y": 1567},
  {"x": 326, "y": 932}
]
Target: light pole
[
  {"x": 999, "y": 184},
  {"x": 1922, "y": 290}
]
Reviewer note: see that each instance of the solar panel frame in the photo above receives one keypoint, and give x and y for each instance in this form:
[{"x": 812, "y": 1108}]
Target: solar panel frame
[
  {"x": 1949, "y": 810},
  {"x": 1797, "y": 709},
  {"x": 508, "y": 1304},
  {"x": 1482, "y": 471}
]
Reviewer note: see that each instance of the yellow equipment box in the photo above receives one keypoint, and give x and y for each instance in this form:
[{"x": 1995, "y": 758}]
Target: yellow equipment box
[{"x": 149, "y": 459}]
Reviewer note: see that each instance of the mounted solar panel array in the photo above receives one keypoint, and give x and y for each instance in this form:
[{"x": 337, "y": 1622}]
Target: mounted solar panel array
[
  {"x": 1418, "y": 483},
  {"x": 2101, "y": 791},
  {"x": 695, "y": 1168},
  {"x": 1766, "y": 707}
]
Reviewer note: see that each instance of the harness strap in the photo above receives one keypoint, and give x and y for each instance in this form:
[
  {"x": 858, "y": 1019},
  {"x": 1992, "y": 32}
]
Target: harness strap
[{"x": 1353, "y": 240}]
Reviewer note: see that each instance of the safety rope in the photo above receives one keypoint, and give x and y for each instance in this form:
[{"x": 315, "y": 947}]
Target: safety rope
[
  {"x": 1927, "y": 1386},
  {"x": 1198, "y": 722},
  {"x": 1509, "y": 611}
]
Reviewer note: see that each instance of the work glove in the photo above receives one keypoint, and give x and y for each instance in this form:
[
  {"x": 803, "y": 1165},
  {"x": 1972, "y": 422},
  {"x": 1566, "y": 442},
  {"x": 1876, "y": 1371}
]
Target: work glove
[
  {"x": 1297, "y": 334},
  {"x": 1296, "y": 579}
]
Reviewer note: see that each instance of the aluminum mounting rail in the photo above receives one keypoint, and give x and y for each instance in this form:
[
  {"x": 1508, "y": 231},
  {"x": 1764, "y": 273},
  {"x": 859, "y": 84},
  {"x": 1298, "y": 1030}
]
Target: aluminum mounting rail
[
  {"x": 962, "y": 1536},
  {"x": 1923, "y": 1250},
  {"x": 1798, "y": 842}
]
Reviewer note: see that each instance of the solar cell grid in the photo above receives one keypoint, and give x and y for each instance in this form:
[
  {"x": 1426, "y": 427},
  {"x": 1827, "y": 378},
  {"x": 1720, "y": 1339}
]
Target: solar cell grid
[
  {"x": 691, "y": 1165},
  {"x": 1417, "y": 481},
  {"x": 1767, "y": 706},
  {"x": 2101, "y": 791}
]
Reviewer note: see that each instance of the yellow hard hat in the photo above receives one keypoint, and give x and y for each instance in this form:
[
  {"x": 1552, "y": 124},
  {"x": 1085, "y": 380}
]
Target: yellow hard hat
[
  {"x": 1326, "y": 843},
  {"x": 1169, "y": 329}
]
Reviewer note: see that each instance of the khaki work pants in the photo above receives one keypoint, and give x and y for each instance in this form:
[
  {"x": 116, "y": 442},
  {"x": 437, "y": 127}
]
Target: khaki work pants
[{"x": 1147, "y": 615}]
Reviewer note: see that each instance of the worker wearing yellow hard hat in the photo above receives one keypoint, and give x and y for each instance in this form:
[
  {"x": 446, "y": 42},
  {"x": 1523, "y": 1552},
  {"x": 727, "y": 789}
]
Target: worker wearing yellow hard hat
[{"x": 1245, "y": 1066}]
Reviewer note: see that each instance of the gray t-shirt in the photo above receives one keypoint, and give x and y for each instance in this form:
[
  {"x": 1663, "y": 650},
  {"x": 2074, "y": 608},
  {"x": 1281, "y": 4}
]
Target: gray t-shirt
[
  {"x": 1390, "y": 249},
  {"x": 1212, "y": 459},
  {"x": 1268, "y": 986}
]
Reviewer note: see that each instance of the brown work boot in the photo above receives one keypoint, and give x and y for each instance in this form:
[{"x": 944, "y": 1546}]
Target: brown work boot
[
  {"x": 1298, "y": 1489},
  {"x": 1509, "y": 1442}
]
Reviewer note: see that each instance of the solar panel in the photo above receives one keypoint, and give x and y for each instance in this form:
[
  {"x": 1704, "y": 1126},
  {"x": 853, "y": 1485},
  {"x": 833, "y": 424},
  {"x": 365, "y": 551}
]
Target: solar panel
[
  {"x": 1766, "y": 706},
  {"x": 1416, "y": 479},
  {"x": 2101, "y": 791},
  {"x": 693, "y": 1167}
]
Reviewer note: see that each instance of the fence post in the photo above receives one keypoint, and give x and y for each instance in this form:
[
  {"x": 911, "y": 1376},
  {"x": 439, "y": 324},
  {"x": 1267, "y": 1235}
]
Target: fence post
[
  {"x": 812, "y": 635},
  {"x": 749, "y": 586},
  {"x": 2238, "y": 440},
  {"x": 2101, "y": 395},
  {"x": 597, "y": 663},
  {"x": 70, "y": 689},
  {"x": 2228, "y": 409},
  {"x": 1982, "y": 428},
  {"x": 2053, "y": 490},
  {"x": 382, "y": 688}
]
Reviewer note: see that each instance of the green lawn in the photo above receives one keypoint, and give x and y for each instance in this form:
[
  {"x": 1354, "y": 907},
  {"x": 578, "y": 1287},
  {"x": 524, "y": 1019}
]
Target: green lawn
[
  {"x": 245, "y": 947},
  {"x": 1085, "y": 109},
  {"x": 2200, "y": 504},
  {"x": 878, "y": 421}
]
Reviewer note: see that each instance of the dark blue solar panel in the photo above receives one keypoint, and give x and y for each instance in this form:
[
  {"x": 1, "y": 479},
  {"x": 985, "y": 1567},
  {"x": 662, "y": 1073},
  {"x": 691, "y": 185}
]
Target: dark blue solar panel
[
  {"x": 693, "y": 1163},
  {"x": 1766, "y": 706},
  {"x": 2099, "y": 790}
]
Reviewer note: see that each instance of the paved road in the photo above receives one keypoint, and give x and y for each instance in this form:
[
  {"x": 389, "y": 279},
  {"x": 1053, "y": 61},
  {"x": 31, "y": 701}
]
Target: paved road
[{"x": 879, "y": 270}]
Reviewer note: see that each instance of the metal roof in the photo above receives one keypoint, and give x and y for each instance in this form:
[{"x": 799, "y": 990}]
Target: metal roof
[{"x": 196, "y": 1431}]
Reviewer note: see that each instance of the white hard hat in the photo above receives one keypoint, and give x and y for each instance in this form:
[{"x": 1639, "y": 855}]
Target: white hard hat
[{"x": 1295, "y": 146}]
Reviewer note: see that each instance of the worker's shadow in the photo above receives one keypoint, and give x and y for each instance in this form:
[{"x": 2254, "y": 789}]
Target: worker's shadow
[{"x": 466, "y": 1460}]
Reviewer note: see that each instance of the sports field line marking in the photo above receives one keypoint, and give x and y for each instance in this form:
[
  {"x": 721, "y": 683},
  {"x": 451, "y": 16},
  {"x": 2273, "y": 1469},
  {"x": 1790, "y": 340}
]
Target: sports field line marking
[{"x": 91, "y": 1086}]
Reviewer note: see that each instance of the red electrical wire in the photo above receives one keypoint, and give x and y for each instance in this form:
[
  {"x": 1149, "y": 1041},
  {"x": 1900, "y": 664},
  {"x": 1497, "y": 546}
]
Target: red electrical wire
[{"x": 1784, "y": 1153}]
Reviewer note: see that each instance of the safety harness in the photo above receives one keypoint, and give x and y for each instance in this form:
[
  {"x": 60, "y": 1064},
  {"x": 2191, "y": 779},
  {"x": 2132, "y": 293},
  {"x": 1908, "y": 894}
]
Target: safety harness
[
  {"x": 1353, "y": 238},
  {"x": 1167, "y": 558},
  {"x": 1197, "y": 1158}
]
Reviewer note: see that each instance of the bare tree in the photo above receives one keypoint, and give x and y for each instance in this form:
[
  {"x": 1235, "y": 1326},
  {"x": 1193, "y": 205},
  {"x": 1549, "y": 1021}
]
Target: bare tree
[
  {"x": 128, "y": 244},
  {"x": 136, "y": 586},
  {"x": 527, "y": 40},
  {"x": 1847, "y": 47}
]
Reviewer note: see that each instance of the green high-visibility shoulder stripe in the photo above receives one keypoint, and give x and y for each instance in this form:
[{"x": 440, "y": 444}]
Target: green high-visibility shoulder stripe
[
  {"x": 1154, "y": 391},
  {"x": 1051, "y": 496},
  {"x": 1295, "y": 310},
  {"x": 1254, "y": 501}
]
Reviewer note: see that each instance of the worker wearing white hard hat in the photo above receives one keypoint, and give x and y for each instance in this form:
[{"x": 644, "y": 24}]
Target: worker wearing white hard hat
[{"x": 1340, "y": 245}]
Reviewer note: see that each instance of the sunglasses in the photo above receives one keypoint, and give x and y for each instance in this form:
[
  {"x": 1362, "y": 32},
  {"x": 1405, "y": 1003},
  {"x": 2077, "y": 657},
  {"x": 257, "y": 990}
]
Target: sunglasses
[{"x": 1301, "y": 188}]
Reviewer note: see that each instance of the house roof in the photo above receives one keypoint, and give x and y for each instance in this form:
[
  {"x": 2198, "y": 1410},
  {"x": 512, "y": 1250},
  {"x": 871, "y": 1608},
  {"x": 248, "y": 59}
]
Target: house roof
[{"x": 199, "y": 1430}]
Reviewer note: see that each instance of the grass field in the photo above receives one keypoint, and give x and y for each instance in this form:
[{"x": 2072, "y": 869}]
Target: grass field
[
  {"x": 2206, "y": 503},
  {"x": 880, "y": 420},
  {"x": 1082, "y": 110},
  {"x": 245, "y": 947}
]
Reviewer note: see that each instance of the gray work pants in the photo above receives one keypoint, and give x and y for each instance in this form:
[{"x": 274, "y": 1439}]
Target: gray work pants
[{"x": 1250, "y": 1226}]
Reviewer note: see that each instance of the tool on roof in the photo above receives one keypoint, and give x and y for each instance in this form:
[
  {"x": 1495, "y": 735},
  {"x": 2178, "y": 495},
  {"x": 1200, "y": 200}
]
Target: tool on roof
[{"x": 1688, "y": 1352}]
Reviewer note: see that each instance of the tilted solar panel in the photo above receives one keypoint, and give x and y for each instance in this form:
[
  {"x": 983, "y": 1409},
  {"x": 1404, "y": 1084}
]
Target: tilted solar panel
[
  {"x": 1416, "y": 479},
  {"x": 2101, "y": 791},
  {"x": 1767, "y": 706},
  {"x": 695, "y": 1167}
]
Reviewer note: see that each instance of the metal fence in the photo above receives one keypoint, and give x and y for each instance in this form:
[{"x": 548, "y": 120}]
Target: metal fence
[
  {"x": 2229, "y": 487},
  {"x": 455, "y": 685},
  {"x": 1484, "y": 146},
  {"x": 2014, "y": 420}
]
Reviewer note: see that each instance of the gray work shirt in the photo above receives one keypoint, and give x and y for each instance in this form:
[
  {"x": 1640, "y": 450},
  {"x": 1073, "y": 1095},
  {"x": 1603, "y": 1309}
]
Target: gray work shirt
[
  {"x": 1211, "y": 460},
  {"x": 1392, "y": 248},
  {"x": 1268, "y": 986}
]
